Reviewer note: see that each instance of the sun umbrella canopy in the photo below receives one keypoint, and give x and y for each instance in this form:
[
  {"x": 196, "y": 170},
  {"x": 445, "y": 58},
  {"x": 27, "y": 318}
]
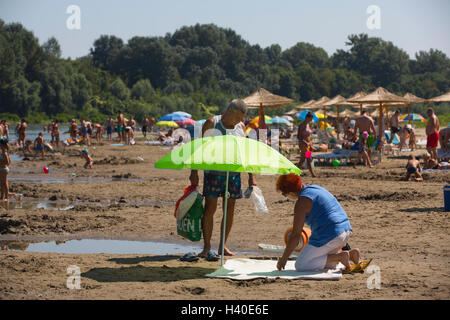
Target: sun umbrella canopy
[
  {"x": 279, "y": 120},
  {"x": 183, "y": 114},
  {"x": 319, "y": 103},
  {"x": 349, "y": 113},
  {"x": 172, "y": 117},
  {"x": 167, "y": 124},
  {"x": 267, "y": 120},
  {"x": 336, "y": 101},
  {"x": 187, "y": 121},
  {"x": 444, "y": 98},
  {"x": 302, "y": 115},
  {"x": 380, "y": 95},
  {"x": 288, "y": 118},
  {"x": 413, "y": 117},
  {"x": 266, "y": 99},
  {"x": 306, "y": 104},
  {"x": 228, "y": 153}
]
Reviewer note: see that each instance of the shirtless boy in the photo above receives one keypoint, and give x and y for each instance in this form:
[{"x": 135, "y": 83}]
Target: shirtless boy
[
  {"x": 365, "y": 123},
  {"x": 413, "y": 167}
]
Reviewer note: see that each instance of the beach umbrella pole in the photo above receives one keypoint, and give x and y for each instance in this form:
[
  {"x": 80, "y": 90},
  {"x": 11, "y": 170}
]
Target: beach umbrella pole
[{"x": 224, "y": 219}]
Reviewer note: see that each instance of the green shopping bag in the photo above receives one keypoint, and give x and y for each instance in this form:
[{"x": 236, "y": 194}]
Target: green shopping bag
[{"x": 190, "y": 226}]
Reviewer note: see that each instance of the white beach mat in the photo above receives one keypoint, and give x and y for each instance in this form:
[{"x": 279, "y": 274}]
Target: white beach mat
[{"x": 247, "y": 269}]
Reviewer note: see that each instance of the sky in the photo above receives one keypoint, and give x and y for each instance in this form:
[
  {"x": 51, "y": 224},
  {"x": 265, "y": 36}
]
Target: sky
[{"x": 412, "y": 25}]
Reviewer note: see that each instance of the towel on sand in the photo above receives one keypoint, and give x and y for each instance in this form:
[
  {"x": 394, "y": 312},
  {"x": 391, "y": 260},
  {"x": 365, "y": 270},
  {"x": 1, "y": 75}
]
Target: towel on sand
[{"x": 247, "y": 269}]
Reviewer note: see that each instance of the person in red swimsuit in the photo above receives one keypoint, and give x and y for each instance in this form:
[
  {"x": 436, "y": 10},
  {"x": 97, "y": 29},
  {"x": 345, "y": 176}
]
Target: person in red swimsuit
[{"x": 432, "y": 132}]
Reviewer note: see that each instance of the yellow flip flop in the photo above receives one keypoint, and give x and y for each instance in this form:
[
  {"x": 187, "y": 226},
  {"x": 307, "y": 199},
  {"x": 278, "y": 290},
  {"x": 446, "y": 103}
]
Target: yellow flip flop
[{"x": 355, "y": 268}]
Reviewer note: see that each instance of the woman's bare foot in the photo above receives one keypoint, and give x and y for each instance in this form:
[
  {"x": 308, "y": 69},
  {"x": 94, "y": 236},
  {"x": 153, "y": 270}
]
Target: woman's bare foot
[
  {"x": 226, "y": 252},
  {"x": 355, "y": 255},
  {"x": 344, "y": 258}
]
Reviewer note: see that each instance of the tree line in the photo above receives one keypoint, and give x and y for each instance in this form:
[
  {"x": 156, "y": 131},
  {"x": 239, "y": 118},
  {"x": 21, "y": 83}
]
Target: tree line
[{"x": 198, "y": 69}]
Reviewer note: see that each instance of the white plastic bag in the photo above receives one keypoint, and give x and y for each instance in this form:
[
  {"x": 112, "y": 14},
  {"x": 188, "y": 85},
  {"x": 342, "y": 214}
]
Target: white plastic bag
[{"x": 258, "y": 200}]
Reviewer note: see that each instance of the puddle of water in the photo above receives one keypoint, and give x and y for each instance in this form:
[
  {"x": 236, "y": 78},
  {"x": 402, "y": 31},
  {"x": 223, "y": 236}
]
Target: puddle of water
[
  {"x": 35, "y": 205},
  {"x": 87, "y": 246},
  {"x": 42, "y": 180},
  {"x": 92, "y": 246},
  {"x": 15, "y": 157}
]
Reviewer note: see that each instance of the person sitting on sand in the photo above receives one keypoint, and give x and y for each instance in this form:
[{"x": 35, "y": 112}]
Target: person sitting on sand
[
  {"x": 89, "y": 162},
  {"x": 5, "y": 161},
  {"x": 363, "y": 150},
  {"x": 444, "y": 139},
  {"x": 330, "y": 227},
  {"x": 413, "y": 167},
  {"x": 39, "y": 145}
]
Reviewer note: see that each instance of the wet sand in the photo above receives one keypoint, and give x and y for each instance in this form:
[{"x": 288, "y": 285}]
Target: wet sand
[{"x": 401, "y": 225}]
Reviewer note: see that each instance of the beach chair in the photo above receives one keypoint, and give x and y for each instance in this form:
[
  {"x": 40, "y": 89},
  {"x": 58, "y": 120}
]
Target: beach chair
[
  {"x": 339, "y": 154},
  {"x": 443, "y": 155}
]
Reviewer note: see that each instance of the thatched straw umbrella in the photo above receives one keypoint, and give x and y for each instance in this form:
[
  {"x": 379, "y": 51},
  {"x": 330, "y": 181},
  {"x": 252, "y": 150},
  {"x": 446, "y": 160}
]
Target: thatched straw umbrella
[
  {"x": 444, "y": 98},
  {"x": 262, "y": 98},
  {"x": 380, "y": 96},
  {"x": 355, "y": 96},
  {"x": 306, "y": 104},
  {"x": 349, "y": 113}
]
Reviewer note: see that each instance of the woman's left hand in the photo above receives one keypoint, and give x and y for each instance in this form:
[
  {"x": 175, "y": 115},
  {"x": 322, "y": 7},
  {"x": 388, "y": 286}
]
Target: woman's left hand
[{"x": 281, "y": 264}]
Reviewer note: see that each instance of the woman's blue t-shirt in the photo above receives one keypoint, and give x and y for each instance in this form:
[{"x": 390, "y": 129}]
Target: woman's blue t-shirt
[{"x": 327, "y": 219}]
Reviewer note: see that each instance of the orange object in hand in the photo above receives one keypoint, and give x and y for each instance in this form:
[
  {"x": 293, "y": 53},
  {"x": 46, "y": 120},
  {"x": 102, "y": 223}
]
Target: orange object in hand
[{"x": 306, "y": 233}]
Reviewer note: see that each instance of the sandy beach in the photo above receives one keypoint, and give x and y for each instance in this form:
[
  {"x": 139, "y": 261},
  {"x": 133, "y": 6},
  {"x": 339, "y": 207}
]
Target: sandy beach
[{"x": 401, "y": 225}]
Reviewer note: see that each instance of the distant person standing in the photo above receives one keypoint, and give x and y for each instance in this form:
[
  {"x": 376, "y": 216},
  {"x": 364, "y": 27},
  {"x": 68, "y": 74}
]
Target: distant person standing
[
  {"x": 55, "y": 132},
  {"x": 120, "y": 126},
  {"x": 365, "y": 123},
  {"x": 394, "y": 124},
  {"x": 109, "y": 128},
  {"x": 39, "y": 145},
  {"x": 5, "y": 129},
  {"x": 151, "y": 124},
  {"x": 432, "y": 132},
  {"x": 22, "y": 133},
  {"x": 73, "y": 129},
  {"x": 5, "y": 161},
  {"x": 145, "y": 125}
]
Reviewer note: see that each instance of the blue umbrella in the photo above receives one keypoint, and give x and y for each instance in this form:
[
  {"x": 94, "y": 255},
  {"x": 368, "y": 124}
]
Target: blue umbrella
[
  {"x": 172, "y": 117},
  {"x": 302, "y": 115},
  {"x": 184, "y": 114},
  {"x": 278, "y": 120}
]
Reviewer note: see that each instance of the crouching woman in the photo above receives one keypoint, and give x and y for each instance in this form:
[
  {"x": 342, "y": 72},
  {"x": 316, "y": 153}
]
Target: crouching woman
[{"x": 330, "y": 227}]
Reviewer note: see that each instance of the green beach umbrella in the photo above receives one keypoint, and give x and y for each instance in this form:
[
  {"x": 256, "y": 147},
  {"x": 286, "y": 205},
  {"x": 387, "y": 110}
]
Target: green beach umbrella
[{"x": 230, "y": 154}]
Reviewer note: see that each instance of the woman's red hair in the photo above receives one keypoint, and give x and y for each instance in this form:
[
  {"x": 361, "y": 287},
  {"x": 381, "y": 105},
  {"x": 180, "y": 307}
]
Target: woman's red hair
[{"x": 289, "y": 183}]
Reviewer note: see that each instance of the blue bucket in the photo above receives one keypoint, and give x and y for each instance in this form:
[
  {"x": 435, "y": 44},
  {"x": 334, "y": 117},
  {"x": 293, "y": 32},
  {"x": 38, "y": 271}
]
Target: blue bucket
[{"x": 447, "y": 198}]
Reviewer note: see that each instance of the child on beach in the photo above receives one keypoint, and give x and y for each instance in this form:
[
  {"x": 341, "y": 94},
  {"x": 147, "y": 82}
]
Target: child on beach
[
  {"x": 88, "y": 158},
  {"x": 363, "y": 151},
  {"x": 5, "y": 161},
  {"x": 413, "y": 167},
  {"x": 39, "y": 145}
]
